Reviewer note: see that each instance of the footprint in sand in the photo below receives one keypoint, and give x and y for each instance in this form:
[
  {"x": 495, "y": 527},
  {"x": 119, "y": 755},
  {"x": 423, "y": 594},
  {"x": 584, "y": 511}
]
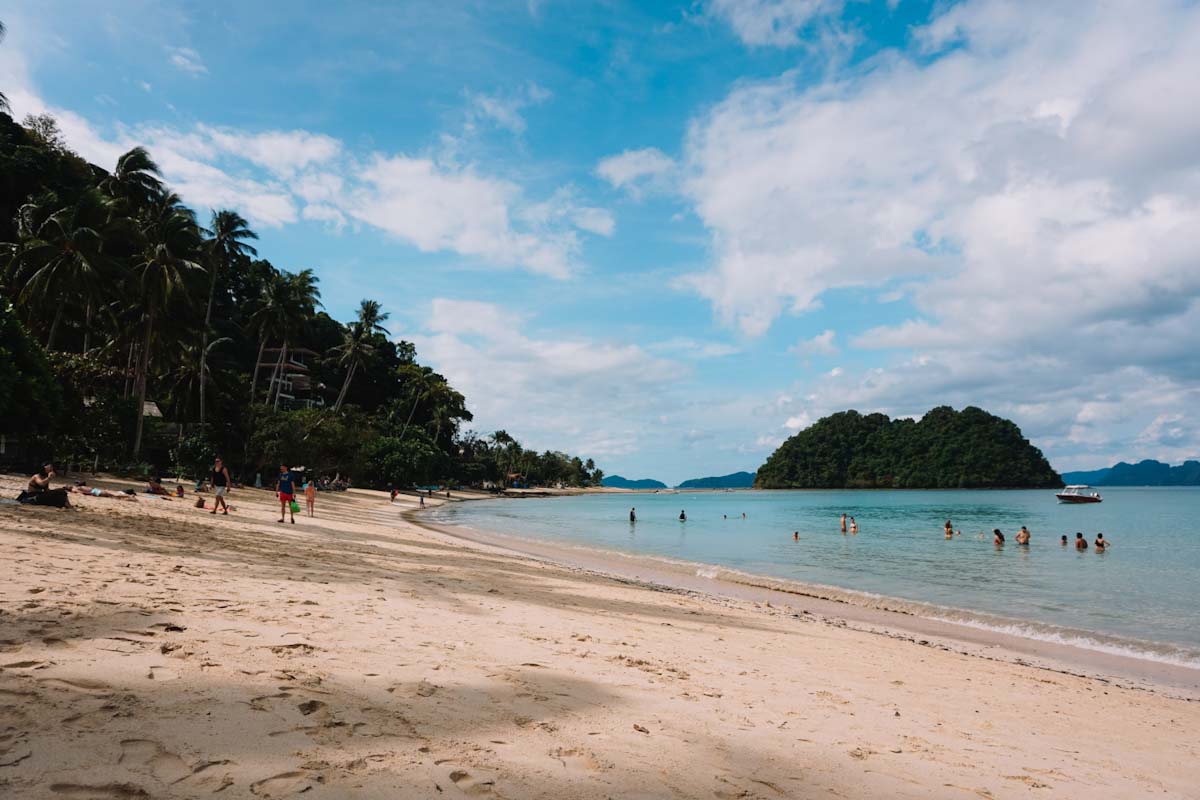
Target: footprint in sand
[
  {"x": 78, "y": 685},
  {"x": 107, "y": 791},
  {"x": 577, "y": 759},
  {"x": 284, "y": 784},
  {"x": 471, "y": 785},
  {"x": 157, "y": 673},
  {"x": 149, "y": 755}
]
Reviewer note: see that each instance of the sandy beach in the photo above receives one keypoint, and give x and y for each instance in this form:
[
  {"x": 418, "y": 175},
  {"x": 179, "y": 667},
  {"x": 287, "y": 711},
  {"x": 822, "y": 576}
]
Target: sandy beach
[{"x": 153, "y": 650}]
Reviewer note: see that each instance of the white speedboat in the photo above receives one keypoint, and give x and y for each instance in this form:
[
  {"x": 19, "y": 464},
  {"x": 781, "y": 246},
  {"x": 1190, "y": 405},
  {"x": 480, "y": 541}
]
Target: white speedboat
[{"x": 1079, "y": 494}]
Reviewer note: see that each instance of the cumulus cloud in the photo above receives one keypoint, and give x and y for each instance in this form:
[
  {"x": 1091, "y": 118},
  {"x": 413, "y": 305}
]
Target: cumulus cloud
[
  {"x": 1031, "y": 176},
  {"x": 821, "y": 345},
  {"x": 637, "y": 170},
  {"x": 504, "y": 110},
  {"x": 776, "y": 23},
  {"x": 187, "y": 60},
  {"x": 586, "y": 396}
]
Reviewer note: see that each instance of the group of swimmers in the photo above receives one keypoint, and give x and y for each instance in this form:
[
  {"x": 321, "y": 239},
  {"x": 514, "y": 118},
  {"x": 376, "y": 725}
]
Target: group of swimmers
[
  {"x": 682, "y": 514},
  {"x": 1023, "y": 537},
  {"x": 853, "y": 524}
]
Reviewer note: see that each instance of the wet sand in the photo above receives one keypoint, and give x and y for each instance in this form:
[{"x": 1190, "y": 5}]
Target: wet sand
[{"x": 150, "y": 649}]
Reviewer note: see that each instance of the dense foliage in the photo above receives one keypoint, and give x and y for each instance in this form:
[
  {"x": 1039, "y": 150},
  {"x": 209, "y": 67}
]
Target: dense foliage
[
  {"x": 133, "y": 338},
  {"x": 1143, "y": 473},
  {"x": 617, "y": 482},
  {"x": 736, "y": 480},
  {"x": 945, "y": 449}
]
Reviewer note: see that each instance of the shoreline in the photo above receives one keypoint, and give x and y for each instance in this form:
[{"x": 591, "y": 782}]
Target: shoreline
[{"x": 722, "y": 584}]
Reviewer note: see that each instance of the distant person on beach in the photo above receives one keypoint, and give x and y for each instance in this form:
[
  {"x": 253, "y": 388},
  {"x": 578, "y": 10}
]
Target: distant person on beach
[
  {"x": 421, "y": 497},
  {"x": 1064, "y": 540},
  {"x": 286, "y": 488},
  {"x": 1101, "y": 543},
  {"x": 997, "y": 536},
  {"x": 310, "y": 497},
  {"x": 683, "y": 516},
  {"x": 84, "y": 489},
  {"x": 394, "y": 493},
  {"x": 38, "y": 492},
  {"x": 1080, "y": 542},
  {"x": 843, "y": 523},
  {"x": 743, "y": 515},
  {"x": 220, "y": 481},
  {"x": 155, "y": 487},
  {"x": 853, "y": 525},
  {"x": 633, "y": 515},
  {"x": 1023, "y": 535}
]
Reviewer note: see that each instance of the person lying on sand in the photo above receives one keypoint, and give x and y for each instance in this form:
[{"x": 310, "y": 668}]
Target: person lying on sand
[{"x": 94, "y": 492}]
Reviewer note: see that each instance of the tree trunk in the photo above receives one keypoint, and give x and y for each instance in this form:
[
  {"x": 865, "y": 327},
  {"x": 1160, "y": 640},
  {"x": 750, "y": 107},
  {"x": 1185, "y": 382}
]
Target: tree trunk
[
  {"x": 87, "y": 329},
  {"x": 142, "y": 373},
  {"x": 262, "y": 343},
  {"x": 128, "y": 368},
  {"x": 212, "y": 291},
  {"x": 282, "y": 372},
  {"x": 54, "y": 328},
  {"x": 412, "y": 411},
  {"x": 345, "y": 386}
]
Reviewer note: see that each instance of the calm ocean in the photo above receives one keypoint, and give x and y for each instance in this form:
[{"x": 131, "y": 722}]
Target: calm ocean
[{"x": 1141, "y": 597}]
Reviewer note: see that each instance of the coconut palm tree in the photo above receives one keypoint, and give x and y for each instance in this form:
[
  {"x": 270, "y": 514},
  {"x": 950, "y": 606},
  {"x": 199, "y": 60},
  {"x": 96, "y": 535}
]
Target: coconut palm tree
[
  {"x": 357, "y": 342},
  {"x": 227, "y": 241},
  {"x": 59, "y": 256},
  {"x": 168, "y": 257},
  {"x": 295, "y": 299},
  {"x": 134, "y": 184}
]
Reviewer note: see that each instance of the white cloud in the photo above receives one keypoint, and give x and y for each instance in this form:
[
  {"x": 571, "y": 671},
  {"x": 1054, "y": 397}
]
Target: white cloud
[
  {"x": 589, "y": 397},
  {"x": 822, "y": 344},
  {"x": 684, "y": 347},
  {"x": 776, "y": 23},
  {"x": 283, "y": 153},
  {"x": 187, "y": 60},
  {"x": 435, "y": 208},
  {"x": 504, "y": 111},
  {"x": 323, "y": 213},
  {"x": 637, "y": 170},
  {"x": 144, "y": 86}
]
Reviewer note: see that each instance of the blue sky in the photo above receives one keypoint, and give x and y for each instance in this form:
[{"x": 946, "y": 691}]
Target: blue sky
[{"x": 668, "y": 235}]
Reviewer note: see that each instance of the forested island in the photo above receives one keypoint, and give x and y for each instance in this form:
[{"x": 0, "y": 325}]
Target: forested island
[
  {"x": 1144, "y": 473},
  {"x": 736, "y": 480},
  {"x": 137, "y": 338},
  {"x": 945, "y": 449},
  {"x": 617, "y": 482}
]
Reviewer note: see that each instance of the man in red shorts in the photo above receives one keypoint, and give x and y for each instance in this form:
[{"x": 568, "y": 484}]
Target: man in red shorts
[{"x": 287, "y": 492}]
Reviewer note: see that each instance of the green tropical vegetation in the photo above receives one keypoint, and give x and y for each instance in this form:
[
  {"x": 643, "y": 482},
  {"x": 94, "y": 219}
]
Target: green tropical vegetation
[
  {"x": 1148, "y": 472},
  {"x": 945, "y": 449},
  {"x": 135, "y": 339},
  {"x": 736, "y": 480}
]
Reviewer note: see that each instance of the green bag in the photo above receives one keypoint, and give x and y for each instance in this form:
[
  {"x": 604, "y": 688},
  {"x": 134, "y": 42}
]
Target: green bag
[{"x": 295, "y": 507}]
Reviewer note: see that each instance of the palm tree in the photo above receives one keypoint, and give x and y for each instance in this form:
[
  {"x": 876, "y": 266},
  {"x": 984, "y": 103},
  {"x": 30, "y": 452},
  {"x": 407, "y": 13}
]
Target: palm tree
[
  {"x": 134, "y": 184},
  {"x": 59, "y": 256},
  {"x": 226, "y": 242},
  {"x": 168, "y": 256},
  {"x": 357, "y": 342},
  {"x": 298, "y": 298},
  {"x": 192, "y": 373}
]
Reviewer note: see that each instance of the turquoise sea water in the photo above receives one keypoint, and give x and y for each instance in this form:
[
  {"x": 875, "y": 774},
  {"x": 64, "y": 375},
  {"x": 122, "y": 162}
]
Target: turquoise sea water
[{"x": 1142, "y": 596}]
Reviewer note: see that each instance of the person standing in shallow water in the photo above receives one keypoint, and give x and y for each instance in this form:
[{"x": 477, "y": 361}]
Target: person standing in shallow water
[
  {"x": 633, "y": 515},
  {"x": 949, "y": 529},
  {"x": 997, "y": 537},
  {"x": 683, "y": 516},
  {"x": 1023, "y": 535},
  {"x": 843, "y": 523},
  {"x": 1101, "y": 543},
  {"x": 1080, "y": 542},
  {"x": 853, "y": 525}
]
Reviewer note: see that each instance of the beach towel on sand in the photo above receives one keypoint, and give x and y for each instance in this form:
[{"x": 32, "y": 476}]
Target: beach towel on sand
[{"x": 55, "y": 498}]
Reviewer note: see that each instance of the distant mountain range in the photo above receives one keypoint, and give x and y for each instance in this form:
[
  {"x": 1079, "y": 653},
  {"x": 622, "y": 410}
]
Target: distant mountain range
[
  {"x": 1143, "y": 473},
  {"x": 617, "y": 482},
  {"x": 738, "y": 480}
]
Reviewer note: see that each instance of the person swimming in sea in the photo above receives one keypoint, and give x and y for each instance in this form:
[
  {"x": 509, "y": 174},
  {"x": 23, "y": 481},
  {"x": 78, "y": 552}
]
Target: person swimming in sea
[
  {"x": 796, "y": 536},
  {"x": 1101, "y": 543},
  {"x": 1064, "y": 540},
  {"x": 997, "y": 537},
  {"x": 682, "y": 516},
  {"x": 1080, "y": 542},
  {"x": 1023, "y": 535}
]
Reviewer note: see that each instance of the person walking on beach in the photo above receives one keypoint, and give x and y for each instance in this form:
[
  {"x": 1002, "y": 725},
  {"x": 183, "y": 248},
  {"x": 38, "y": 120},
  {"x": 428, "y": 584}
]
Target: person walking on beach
[
  {"x": 421, "y": 497},
  {"x": 1080, "y": 542},
  {"x": 310, "y": 497},
  {"x": 843, "y": 523},
  {"x": 632, "y": 515},
  {"x": 682, "y": 516},
  {"x": 286, "y": 488},
  {"x": 1023, "y": 535},
  {"x": 220, "y": 481},
  {"x": 1101, "y": 543}
]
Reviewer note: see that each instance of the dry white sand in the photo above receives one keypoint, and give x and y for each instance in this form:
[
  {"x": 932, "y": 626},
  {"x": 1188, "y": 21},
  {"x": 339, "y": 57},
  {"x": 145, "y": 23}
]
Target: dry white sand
[{"x": 152, "y": 650}]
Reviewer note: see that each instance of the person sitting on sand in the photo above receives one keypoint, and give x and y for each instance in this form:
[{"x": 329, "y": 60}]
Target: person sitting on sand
[
  {"x": 997, "y": 537},
  {"x": 310, "y": 497},
  {"x": 1080, "y": 542},
  {"x": 1023, "y": 535},
  {"x": 286, "y": 489},
  {"x": 38, "y": 492},
  {"x": 94, "y": 492},
  {"x": 1101, "y": 543},
  {"x": 155, "y": 487},
  {"x": 1064, "y": 540}
]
